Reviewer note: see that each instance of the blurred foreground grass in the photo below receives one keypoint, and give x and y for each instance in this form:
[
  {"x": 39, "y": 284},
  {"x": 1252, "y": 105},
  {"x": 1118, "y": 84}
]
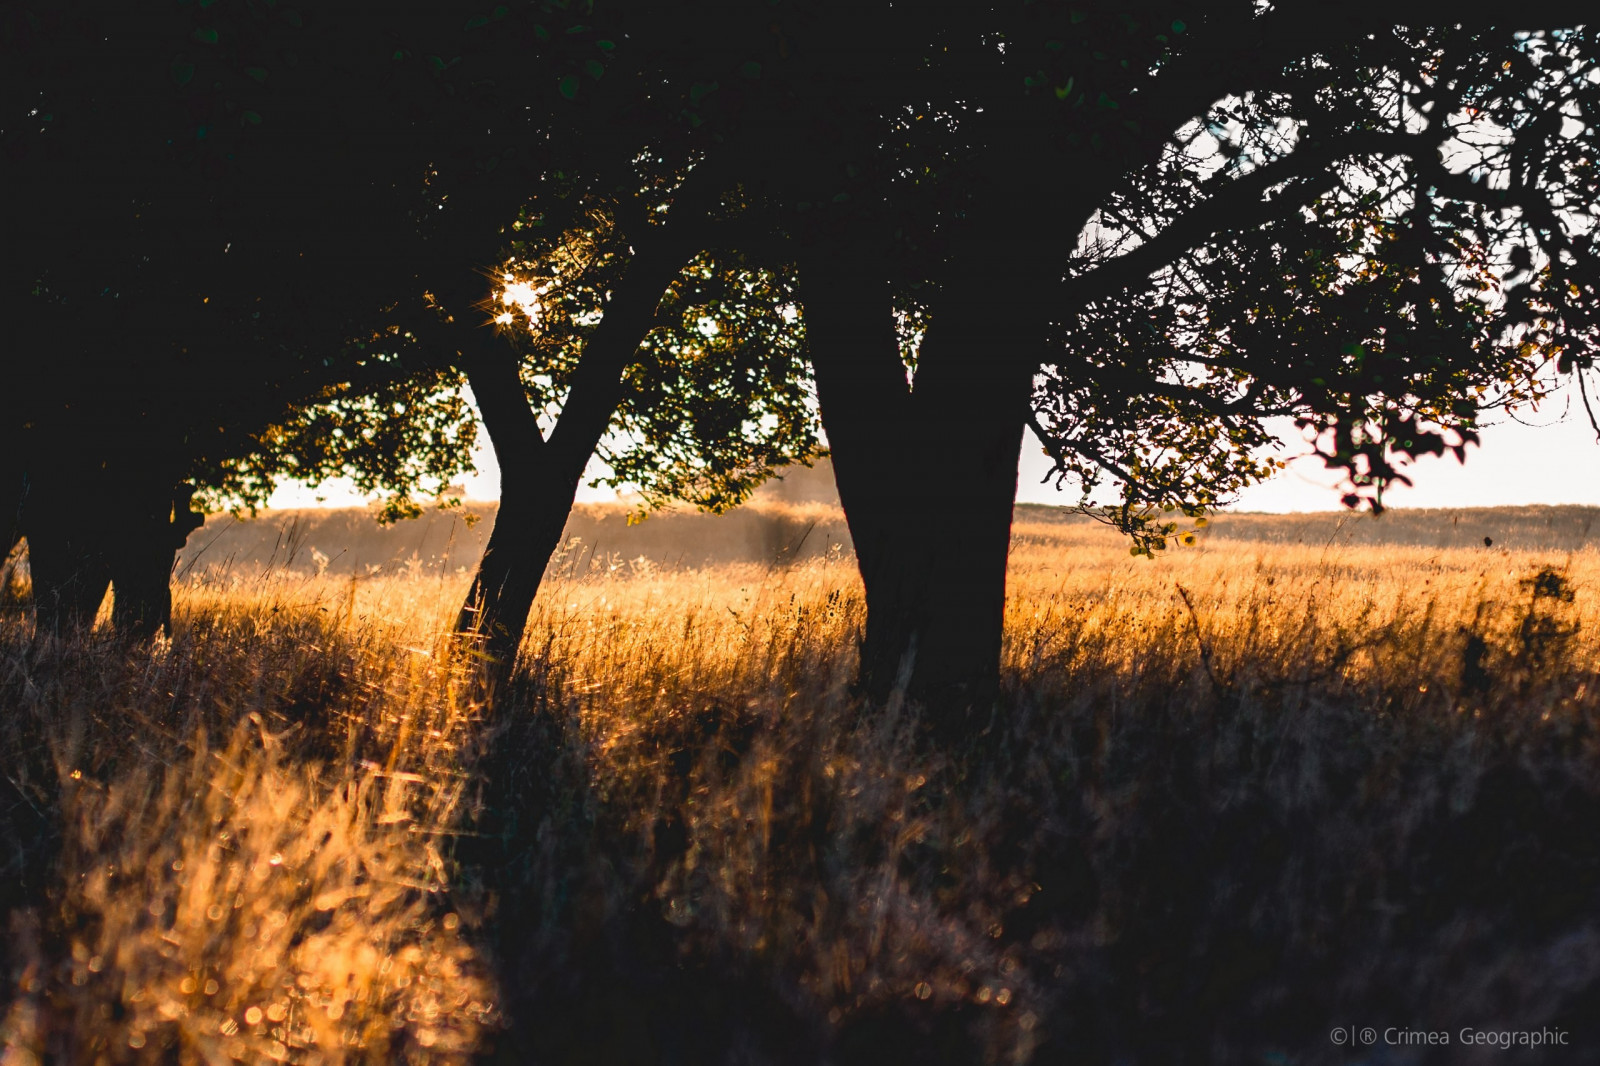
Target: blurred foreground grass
[{"x": 1234, "y": 796}]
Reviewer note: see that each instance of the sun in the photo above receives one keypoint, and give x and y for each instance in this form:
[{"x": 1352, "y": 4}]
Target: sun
[{"x": 520, "y": 299}]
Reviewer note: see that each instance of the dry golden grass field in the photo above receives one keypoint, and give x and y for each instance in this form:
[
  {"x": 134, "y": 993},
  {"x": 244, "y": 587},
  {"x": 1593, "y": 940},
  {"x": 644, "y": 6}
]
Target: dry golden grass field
[{"x": 1291, "y": 778}]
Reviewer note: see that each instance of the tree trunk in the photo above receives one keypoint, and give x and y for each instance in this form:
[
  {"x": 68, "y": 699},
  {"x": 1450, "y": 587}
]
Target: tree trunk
[
  {"x": 12, "y": 484},
  {"x": 534, "y": 504},
  {"x": 926, "y": 475},
  {"x": 142, "y": 558},
  {"x": 67, "y": 539},
  {"x": 866, "y": 408},
  {"x": 13, "y": 489},
  {"x": 533, "y": 508},
  {"x": 963, "y": 594},
  {"x": 937, "y": 587},
  {"x": 539, "y": 478},
  {"x": 89, "y": 530},
  {"x": 67, "y": 564}
]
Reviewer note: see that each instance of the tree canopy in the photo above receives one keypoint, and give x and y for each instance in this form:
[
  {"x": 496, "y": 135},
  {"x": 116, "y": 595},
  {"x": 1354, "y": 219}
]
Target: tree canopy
[
  {"x": 1146, "y": 228},
  {"x": 1142, "y": 229},
  {"x": 1382, "y": 243}
]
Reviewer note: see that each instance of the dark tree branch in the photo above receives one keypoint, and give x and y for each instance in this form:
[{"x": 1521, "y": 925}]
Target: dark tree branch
[
  {"x": 513, "y": 426},
  {"x": 659, "y": 253},
  {"x": 1240, "y": 205},
  {"x": 1588, "y": 408},
  {"x": 1048, "y": 442}
]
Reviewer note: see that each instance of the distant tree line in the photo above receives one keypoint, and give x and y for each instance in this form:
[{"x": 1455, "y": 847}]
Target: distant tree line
[{"x": 246, "y": 242}]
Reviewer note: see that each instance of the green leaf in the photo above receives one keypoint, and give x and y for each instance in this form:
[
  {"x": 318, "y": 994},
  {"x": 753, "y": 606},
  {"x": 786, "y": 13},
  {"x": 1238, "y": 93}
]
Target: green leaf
[
  {"x": 568, "y": 87},
  {"x": 540, "y": 32},
  {"x": 594, "y": 68},
  {"x": 206, "y": 36},
  {"x": 605, "y": 46},
  {"x": 182, "y": 73},
  {"x": 1178, "y": 26},
  {"x": 399, "y": 54},
  {"x": 750, "y": 69},
  {"x": 292, "y": 17},
  {"x": 700, "y": 90},
  {"x": 1106, "y": 102},
  {"x": 436, "y": 63},
  {"x": 476, "y": 22},
  {"x": 1078, "y": 16},
  {"x": 258, "y": 73},
  {"x": 1064, "y": 91},
  {"x": 253, "y": 118}
]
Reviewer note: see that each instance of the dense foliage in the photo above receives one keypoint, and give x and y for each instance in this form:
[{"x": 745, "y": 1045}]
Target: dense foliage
[{"x": 1383, "y": 242}]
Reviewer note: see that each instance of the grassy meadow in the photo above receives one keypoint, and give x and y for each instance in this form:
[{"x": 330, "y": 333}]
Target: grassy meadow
[{"x": 1313, "y": 771}]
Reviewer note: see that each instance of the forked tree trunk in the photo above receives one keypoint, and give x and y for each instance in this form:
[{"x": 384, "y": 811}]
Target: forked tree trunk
[
  {"x": 927, "y": 478},
  {"x": 539, "y": 478}
]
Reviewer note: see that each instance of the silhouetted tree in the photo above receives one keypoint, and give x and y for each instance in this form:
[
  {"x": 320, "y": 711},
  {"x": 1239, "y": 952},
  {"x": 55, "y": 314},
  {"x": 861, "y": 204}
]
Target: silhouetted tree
[
  {"x": 682, "y": 369},
  {"x": 226, "y": 216},
  {"x": 633, "y": 227},
  {"x": 1185, "y": 221},
  {"x": 307, "y": 218}
]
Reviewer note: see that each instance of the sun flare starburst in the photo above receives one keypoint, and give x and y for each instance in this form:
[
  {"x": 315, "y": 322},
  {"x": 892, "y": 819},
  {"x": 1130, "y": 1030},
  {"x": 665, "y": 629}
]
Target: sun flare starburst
[{"x": 520, "y": 298}]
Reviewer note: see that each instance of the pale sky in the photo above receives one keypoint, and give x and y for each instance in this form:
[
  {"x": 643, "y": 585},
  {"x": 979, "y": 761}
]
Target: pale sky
[
  {"x": 1515, "y": 465},
  {"x": 1553, "y": 461}
]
